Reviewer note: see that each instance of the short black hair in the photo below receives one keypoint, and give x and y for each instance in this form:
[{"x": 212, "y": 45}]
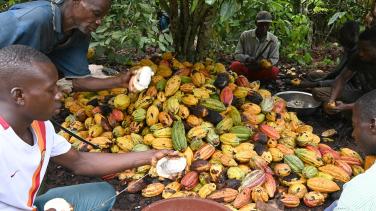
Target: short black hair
[
  {"x": 349, "y": 34},
  {"x": 366, "y": 106},
  {"x": 15, "y": 60},
  {"x": 369, "y": 35}
]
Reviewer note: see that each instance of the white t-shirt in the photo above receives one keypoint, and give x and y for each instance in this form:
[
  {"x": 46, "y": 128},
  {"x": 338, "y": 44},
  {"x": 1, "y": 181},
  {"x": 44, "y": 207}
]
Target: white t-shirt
[
  {"x": 19, "y": 162},
  {"x": 360, "y": 193}
]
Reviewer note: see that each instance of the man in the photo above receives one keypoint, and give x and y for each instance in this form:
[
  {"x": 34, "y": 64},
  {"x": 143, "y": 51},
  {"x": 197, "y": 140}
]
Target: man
[
  {"x": 257, "y": 45},
  {"x": 348, "y": 38},
  {"x": 61, "y": 30},
  {"x": 362, "y": 67},
  {"x": 359, "y": 193},
  {"x": 28, "y": 98}
]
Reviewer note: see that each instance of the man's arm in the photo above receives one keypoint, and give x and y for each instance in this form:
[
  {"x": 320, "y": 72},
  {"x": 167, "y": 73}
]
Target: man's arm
[
  {"x": 339, "y": 84},
  {"x": 274, "y": 52},
  {"x": 97, "y": 84},
  {"x": 99, "y": 164},
  {"x": 239, "y": 52}
]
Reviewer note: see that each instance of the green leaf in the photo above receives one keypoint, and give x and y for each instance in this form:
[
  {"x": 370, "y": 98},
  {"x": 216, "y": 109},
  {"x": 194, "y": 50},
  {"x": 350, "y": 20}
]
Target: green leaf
[
  {"x": 168, "y": 38},
  {"x": 335, "y": 17},
  {"x": 117, "y": 35},
  {"x": 194, "y": 5},
  {"x": 161, "y": 46},
  {"x": 228, "y": 9},
  {"x": 161, "y": 38},
  {"x": 210, "y": 2}
]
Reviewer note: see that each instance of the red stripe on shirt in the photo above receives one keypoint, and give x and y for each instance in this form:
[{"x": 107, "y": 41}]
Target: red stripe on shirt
[
  {"x": 40, "y": 131},
  {"x": 4, "y": 123}
]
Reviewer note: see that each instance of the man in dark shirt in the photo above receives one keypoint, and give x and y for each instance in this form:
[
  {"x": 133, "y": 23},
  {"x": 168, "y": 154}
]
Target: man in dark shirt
[
  {"x": 348, "y": 38},
  {"x": 61, "y": 30},
  {"x": 362, "y": 66}
]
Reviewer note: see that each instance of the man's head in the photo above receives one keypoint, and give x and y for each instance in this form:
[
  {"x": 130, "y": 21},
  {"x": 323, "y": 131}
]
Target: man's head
[
  {"x": 88, "y": 14},
  {"x": 364, "y": 122},
  {"x": 28, "y": 88},
  {"x": 349, "y": 34},
  {"x": 263, "y": 21},
  {"x": 367, "y": 45}
]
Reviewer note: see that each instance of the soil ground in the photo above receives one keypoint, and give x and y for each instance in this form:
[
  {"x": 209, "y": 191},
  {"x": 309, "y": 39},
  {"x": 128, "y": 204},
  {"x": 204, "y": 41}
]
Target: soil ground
[{"x": 58, "y": 176}]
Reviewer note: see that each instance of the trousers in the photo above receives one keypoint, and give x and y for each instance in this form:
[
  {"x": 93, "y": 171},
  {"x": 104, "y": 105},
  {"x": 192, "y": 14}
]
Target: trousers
[
  {"x": 252, "y": 75},
  {"x": 83, "y": 197}
]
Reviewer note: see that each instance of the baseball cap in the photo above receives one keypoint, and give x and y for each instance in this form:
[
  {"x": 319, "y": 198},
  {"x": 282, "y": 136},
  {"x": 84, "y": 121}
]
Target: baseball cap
[{"x": 263, "y": 16}]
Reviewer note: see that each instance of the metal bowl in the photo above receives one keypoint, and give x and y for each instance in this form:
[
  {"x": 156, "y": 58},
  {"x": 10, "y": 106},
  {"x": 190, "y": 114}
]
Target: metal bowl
[{"x": 302, "y": 103}]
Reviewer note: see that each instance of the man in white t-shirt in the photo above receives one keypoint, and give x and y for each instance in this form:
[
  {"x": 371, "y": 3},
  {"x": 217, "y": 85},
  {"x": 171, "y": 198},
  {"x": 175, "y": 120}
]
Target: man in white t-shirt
[
  {"x": 360, "y": 192},
  {"x": 28, "y": 98}
]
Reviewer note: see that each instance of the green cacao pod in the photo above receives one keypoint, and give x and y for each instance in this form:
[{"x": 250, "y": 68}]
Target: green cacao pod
[
  {"x": 173, "y": 105},
  {"x": 161, "y": 84},
  {"x": 224, "y": 125},
  {"x": 242, "y": 132},
  {"x": 196, "y": 144},
  {"x": 310, "y": 172},
  {"x": 179, "y": 141},
  {"x": 140, "y": 148},
  {"x": 213, "y": 104},
  {"x": 212, "y": 137},
  {"x": 235, "y": 116},
  {"x": 309, "y": 157},
  {"x": 139, "y": 115},
  {"x": 294, "y": 162},
  {"x": 185, "y": 79}
]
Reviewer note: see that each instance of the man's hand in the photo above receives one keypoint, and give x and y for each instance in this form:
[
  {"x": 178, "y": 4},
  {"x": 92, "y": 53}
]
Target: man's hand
[
  {"x": 125, "y": 78},
  {"x": 329, "y": 107},
  {"x": 252, "y": 64},
  {"x": 336, "y": 107},
  {"x": 159, "y": 154},
  {"x": 341, "y": 106},
  {"x": 249, "y": 60}
]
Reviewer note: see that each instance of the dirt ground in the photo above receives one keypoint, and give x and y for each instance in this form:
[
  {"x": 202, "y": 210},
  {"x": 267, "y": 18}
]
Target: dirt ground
[{"x": 57, "y": 176}]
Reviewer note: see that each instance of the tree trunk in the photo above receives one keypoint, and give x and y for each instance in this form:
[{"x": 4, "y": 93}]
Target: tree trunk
[
  {"x": 190, "y": 29},
  {"x": 370, "y": 19}
]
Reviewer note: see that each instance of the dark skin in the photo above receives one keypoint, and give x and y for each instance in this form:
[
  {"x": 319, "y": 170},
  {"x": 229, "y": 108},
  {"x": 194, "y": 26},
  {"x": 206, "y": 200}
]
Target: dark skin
[
  {"x": 367, "y": 53},
  {"x": 21, "y": 105},
  {"x": 86, "y": 16},
  {"x": 261, "y": 32},
  {"x": 364, "y": 132}
]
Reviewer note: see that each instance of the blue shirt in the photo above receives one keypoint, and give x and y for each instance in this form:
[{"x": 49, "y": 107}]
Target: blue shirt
[{"x": 39, "y": 24}]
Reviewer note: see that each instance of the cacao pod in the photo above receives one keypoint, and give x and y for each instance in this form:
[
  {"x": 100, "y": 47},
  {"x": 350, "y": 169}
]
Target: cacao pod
[
  {"x": 190, "y": 180},
  {"x": 153, "y": 189},
  {"x": 179, "y": 140}
]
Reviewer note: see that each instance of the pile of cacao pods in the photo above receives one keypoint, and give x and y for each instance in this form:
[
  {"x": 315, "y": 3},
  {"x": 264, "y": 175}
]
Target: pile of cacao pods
[{"x": 240, "y": 142}]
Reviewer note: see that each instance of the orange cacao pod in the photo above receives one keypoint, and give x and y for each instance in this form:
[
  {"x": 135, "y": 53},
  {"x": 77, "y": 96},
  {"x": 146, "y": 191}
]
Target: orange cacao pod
[
  {"x": 259, "y": 194},
  {"x": 224, "y": 195},
  {"x": 290, "y": 200},
  {"x": 242, "y": 198},
  {"x": 153, "y": 189},
  {"x": 336, "y": 172},
  {"x": 226, "y": 96},
  {"x": 205, "y": 152},
  {"x": 322, "y": 185},
  {"x": 190, "y": 180}
]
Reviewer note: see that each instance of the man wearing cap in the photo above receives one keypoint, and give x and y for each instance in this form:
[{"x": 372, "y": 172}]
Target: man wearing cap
[
  {"x": 257, "y": 51},
  {"x": 61, "y": 30}
]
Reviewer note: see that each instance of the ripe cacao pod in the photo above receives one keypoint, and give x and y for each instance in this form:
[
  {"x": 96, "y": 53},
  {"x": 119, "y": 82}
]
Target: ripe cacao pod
[{"x": 190, "y": 180}]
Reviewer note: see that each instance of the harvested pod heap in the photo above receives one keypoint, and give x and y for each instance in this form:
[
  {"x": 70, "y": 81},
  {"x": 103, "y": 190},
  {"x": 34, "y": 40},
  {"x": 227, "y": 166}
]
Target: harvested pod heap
[{"x": 240, "y": 142}]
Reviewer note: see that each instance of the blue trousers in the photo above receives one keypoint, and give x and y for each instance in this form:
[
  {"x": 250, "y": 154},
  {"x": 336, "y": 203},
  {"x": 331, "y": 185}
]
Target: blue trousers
[
  {"x": 83, "y": 197},
  {"x": 332, "y": 206}
]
